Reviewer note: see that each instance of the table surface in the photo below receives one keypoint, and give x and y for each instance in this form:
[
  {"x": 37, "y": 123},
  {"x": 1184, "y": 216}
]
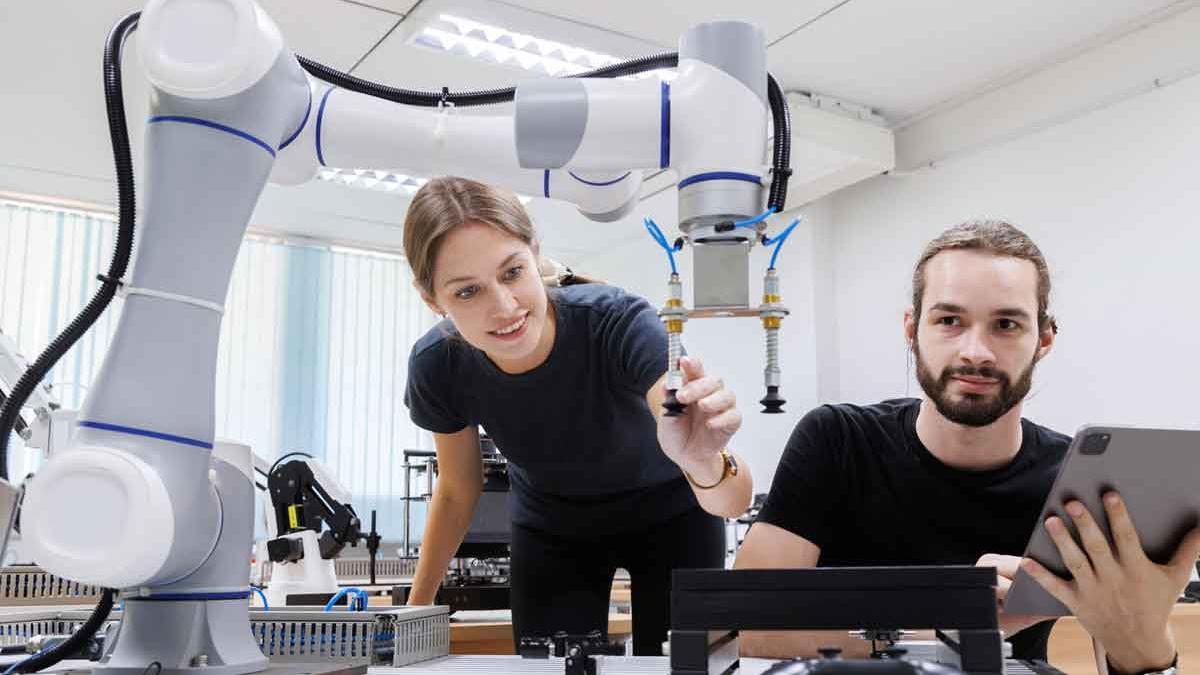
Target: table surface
[{"x": 1071, "y": 646}]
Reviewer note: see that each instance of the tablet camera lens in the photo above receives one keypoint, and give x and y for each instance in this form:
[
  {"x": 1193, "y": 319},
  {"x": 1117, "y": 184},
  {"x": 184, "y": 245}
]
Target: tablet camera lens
[{"x": 1095, "y": 444}]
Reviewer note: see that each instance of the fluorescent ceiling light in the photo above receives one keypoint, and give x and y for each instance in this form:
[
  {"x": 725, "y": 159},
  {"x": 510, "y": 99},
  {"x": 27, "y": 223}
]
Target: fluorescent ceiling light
[
  {"x": 369, "y": 179},
  {"x": 379, "y": 181},
  {"x": 500, "y": 46}
]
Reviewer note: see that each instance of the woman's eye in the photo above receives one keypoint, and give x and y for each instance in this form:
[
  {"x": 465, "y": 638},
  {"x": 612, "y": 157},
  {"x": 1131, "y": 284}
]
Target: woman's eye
[
  {"x": 513, "y": 272},
  {"x": 466, "y": 293}
]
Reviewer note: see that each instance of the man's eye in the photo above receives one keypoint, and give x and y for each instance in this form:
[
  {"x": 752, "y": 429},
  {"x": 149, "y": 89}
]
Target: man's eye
[
  {"x": 466, "y": 293},
  {"x": 1007, "y": 325},
  {"x": 513, "y": 272},
  {"x": 949, "y": 321}
]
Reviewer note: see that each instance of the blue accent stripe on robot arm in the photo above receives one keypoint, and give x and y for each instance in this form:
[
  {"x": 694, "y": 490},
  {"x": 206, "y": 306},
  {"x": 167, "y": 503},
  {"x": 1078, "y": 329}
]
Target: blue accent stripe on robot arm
[
  {"x": 719, "y": 175},
  {"x": 600, "y": 184},
  {"x": 212, "y": 125},
  {"x": 664, "y": 137},
  {"x": 546, "y": 184},
  {"x": 133, "y": 431},
  {"x": 320, "y": 119},
  {"x": 303, "y": 122}
]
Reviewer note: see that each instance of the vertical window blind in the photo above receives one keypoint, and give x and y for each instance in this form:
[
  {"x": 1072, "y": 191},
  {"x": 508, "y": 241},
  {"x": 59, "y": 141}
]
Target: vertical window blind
[{"x": 313, "y": 351}]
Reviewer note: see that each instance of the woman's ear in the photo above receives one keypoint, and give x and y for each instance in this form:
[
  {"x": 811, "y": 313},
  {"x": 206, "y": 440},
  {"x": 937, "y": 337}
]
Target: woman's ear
[{"x": 429, "y": 302}]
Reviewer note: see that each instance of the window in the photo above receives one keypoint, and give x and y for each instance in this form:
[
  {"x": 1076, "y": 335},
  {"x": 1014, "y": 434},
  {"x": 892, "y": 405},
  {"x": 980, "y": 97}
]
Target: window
[{"x": 313, "y": 353}]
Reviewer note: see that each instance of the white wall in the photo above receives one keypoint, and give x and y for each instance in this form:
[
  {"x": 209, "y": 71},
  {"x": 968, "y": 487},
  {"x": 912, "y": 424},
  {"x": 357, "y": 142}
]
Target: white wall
[
  {"x": 1111, "y": 198},
  {"x": 1096, "y": 158}
]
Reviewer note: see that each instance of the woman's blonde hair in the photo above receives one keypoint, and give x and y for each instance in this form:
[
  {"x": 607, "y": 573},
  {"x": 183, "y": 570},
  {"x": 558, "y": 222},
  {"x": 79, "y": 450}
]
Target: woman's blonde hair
[{"x": 443, "y": 204}]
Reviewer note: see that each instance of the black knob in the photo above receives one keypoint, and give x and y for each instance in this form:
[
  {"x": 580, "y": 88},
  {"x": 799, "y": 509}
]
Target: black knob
[
  {"x": 672, "y": 404},
  {"x": 830, "y": 652},
  {"x": 772, "y": 403},
  {"x": 895, "y": 652}
]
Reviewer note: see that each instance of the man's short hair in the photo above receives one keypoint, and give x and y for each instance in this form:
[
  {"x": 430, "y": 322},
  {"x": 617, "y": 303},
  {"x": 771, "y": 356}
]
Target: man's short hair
[{"x": 989, "y": 236}]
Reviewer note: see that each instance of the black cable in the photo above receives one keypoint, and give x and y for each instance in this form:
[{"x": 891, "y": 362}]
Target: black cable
[
  {"x": 119, "y": 134},
  {"x": 431, "y": 99},
  {"x": 285, "y": 456},
  {"x": 72, "y": 645},
  {"x": 781, "y": 156},
  {"x": 122, "y": 157},
  {"x": 781, "y": 152}
]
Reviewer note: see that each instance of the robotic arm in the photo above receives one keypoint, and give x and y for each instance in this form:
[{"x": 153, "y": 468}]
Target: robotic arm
[
  {"x": 35, "y": 432},
  {"x": 313, "y": 521},
  {"x": 305, "y": 498},
  {"x": 138, "y": 502}
]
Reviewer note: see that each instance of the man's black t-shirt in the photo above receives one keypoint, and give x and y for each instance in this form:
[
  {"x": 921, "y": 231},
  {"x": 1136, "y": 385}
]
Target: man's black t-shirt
[{"x": 857, "y": 482}]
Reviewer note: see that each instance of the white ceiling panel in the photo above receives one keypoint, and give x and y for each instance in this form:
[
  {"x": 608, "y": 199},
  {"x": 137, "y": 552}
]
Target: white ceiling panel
[
  {"x": 399, "y": 64},
  {"x": 393, "y": 6},
  {"x": 664, "y": 22},
  {"x": 331, "y": 32},
  {"x": 53, "y": 114},
  {"x": 52, "y": 117},
  {"x": 904, "y": 58}
]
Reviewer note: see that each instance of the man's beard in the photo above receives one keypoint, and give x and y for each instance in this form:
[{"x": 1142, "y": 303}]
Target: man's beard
[{"x": 973, "y": 410}]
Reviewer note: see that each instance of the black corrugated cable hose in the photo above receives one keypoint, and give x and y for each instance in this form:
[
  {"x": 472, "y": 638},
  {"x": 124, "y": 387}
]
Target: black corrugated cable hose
[
  {"x": 780, "y": 156},
  {"x": 470, "y": 98},
  {"x": 72, "y": 645},
  {"x": 120, "y": 261},
  {"x": 119, "y": 134}
]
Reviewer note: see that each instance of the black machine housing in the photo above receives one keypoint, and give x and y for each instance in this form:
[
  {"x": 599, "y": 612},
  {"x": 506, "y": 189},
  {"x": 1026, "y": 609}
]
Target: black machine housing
[{"x": 709, "y": 607}]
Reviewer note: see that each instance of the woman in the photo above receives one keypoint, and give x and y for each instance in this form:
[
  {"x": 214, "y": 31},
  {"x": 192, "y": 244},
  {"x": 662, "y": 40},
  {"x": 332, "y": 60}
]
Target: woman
[{"x": 569, "y": 383}]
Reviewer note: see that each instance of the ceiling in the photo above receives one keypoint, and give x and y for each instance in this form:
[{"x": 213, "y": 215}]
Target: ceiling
[{"x": 904, "y": 60}]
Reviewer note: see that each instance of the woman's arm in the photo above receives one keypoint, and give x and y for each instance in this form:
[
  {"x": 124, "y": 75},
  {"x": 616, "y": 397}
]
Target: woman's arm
[
  {"x": 695, "y": 439},
  {"x": 459, "y": 483}
]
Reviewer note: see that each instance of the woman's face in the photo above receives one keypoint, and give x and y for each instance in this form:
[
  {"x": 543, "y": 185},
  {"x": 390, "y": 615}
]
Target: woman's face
[{"x": 487, "y": 282}]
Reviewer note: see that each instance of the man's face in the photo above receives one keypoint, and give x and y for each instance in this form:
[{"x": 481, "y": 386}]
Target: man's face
[{"x": 977, "y": 341}]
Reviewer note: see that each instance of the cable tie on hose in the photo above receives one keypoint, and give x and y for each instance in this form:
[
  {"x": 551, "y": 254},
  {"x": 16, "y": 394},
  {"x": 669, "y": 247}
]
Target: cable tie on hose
[
  {"x": 105, "y": 279},
  {"x": 785, "y": 172}
]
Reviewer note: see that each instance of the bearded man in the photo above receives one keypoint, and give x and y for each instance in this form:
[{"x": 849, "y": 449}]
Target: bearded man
[{"x": 959, "y": 477}]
